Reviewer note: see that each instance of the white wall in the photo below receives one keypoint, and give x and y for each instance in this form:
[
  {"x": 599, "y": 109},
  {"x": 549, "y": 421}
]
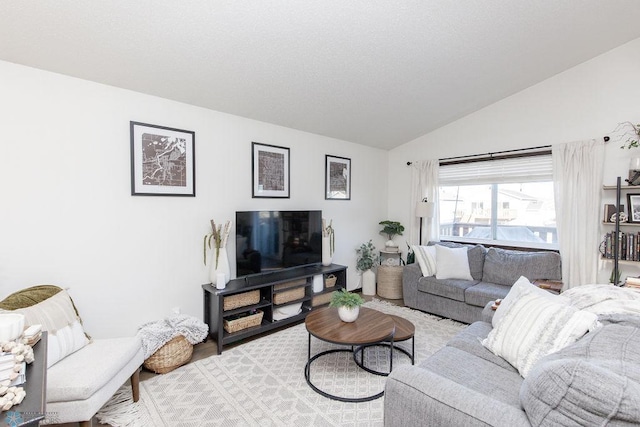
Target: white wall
[
  {"x": 585, "y": 102},
  {"x": 67, "y": 216}
]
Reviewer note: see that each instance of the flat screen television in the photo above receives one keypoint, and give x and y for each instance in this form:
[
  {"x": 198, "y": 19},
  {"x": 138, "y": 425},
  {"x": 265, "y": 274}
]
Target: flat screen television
[{"x": 268, "y": 241}]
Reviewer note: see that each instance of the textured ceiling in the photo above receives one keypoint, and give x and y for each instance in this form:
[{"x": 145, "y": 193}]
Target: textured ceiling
[{"x": 374, "y": 72}]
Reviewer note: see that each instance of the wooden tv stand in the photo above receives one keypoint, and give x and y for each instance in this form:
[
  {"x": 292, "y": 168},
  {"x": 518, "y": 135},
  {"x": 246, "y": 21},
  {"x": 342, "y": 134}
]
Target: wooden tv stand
[{"x": 269, "y": 285}]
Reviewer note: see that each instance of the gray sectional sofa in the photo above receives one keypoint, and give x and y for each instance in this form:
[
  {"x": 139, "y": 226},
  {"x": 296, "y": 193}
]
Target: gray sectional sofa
[
  {"x": 493, "y": 272},
  {"x": 595, "y": 381}
]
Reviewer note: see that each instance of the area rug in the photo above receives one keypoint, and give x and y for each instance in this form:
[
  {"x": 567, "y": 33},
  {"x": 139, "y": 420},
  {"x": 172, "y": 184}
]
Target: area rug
[{"x": 262, "y": 383}]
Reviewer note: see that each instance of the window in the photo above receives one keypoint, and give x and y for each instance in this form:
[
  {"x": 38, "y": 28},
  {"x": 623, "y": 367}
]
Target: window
[{"x": 507, "y": 201}]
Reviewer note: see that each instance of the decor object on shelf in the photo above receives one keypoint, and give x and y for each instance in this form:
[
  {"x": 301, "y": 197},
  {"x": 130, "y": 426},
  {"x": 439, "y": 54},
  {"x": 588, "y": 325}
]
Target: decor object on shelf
[
  {"x": 610, "y": 213},
  {"x": 270, "y": 171},
  {"x": 337, "y": 178},
  {"x": 348, "y": 304},
  {"x": 633, "y": 199},
  {"x": 367, "y": 258},
  {"x": 162, "y": 161},
  {"x": 424, "y": 209},
  {"x": 634, "y": 171},
  {"x": 391, "y": 229},
  {"x": 328, "y": 242},
  {"x": 219, "y": 263}
]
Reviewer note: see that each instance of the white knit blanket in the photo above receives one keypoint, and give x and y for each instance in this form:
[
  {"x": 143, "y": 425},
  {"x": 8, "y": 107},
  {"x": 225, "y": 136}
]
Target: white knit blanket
[
  {"x": 156, "y": 334},
  {"x": 604, "y": 299}
]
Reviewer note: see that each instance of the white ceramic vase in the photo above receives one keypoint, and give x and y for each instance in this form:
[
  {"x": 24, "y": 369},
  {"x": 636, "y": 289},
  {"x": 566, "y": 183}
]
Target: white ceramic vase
[
  {"x": 219, "y": 266},
  {"x": 368, "y": 282},
  {"x": 348, "y": 314},
  {"x": 326, "y": 251}
]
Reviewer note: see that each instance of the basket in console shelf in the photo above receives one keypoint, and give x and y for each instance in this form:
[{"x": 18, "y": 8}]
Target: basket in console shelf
[
  {"x": 330, "y": 280},
  {"x": 241, "y": 300},
  {"x": 287, "y": 296},
  {"x": 243, "y": 321}
]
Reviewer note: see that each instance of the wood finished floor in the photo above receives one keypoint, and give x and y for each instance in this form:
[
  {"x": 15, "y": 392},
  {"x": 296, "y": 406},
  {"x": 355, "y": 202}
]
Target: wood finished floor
[{"x": 206, "y": 349}]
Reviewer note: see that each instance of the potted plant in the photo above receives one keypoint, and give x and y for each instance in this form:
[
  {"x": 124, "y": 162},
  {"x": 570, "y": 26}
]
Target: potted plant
[
  {"x": 365, "y": 261},
  {"x": 348, "y": 304},
  {"x": 391, "y": 228}
]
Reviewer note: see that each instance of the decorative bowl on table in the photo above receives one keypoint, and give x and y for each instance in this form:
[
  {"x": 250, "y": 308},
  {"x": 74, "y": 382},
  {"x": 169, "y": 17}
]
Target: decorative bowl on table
[{"x": 11, "y": 326}]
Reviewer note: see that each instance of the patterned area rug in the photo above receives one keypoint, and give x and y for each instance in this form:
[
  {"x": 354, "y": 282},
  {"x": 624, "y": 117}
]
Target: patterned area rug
[{"x": 262, "y": 382}]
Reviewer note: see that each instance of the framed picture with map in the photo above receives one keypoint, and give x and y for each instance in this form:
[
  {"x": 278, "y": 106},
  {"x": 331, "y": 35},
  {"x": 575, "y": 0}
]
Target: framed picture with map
[
  {"x": 337, "y": 178},
  {"x": 162, "y": 161},
  {"x": 270, "y": 173}
]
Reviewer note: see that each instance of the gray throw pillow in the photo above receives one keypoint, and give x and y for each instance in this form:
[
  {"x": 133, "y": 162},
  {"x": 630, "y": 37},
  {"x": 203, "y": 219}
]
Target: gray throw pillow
[{"x": 476, "y": 254}]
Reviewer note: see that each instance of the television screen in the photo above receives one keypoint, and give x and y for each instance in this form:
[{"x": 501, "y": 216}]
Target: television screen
[{"x": 268, "y": 241}]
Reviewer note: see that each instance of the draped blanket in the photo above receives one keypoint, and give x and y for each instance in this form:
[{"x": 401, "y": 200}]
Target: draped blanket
[
  {"x": 156, "y": 334},
  {"x": 604, "y": 299}
]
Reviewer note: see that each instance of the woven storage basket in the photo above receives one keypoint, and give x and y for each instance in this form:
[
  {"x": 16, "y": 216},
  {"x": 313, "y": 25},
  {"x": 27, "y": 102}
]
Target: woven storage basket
[
  {"x": 241, "y": 300},
  {"x": 286, "y": 296},
  {"x": 235, "y": 325},
  {"x": 292, "y": 283},
  {"x": 170, "y": 356},
  {"x": 390, "y": 281},
  {"x": 321, "y": 299},
  {"x": 330, "y": 281}
]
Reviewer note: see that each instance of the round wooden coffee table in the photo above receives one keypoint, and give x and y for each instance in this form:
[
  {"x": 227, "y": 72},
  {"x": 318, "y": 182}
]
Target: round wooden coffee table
[{"x": 372, "y": 327}]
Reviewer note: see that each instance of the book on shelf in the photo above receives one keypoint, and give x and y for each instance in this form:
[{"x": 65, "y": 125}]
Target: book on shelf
[{"x": 628, "y": 246}]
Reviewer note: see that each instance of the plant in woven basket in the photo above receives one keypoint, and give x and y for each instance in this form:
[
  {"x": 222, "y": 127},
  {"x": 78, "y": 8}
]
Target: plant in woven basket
[{"x": 344, "y": 298}]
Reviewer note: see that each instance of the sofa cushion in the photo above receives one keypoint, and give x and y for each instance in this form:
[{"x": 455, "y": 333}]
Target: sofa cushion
[
  {"x": 595, "y": 381},
  {"x": 476, "y": 255},
  {"x": 448, "y": 288},
  {"x": 452, "y": 263},
  {"x": 504, "y": 267},
  {"x": 481, "y": 293},
  {"x": 535, "y": 326}
]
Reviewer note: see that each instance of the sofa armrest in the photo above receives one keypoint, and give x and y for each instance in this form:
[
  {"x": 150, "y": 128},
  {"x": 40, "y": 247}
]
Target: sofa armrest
[
  {"x": 413, "y": 395},
  {"x": 488, "y": 312},
  {"x": 411, "y": 273}
]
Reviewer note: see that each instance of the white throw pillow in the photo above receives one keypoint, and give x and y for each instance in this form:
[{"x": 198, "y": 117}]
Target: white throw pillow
[
  {"x": 535, "y": 326},
  {"x": 57, "y": 316},
  {"x": 519, "y": 288},
  {"x": 452, "y": 263},
  {"x": 426, "y": 257}
]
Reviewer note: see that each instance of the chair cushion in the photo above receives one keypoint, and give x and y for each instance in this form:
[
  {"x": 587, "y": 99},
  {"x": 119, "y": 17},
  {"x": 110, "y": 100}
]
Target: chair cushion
[{"x": 81, "y": 374}]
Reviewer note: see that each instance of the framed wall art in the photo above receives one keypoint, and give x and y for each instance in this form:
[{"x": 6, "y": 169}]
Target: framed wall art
[
  {"x": 162, "y": 161},
  {"x": 270, "y": 173},
  {"x": 337, "y": 178},
  {"x": 634, "y": 207}
]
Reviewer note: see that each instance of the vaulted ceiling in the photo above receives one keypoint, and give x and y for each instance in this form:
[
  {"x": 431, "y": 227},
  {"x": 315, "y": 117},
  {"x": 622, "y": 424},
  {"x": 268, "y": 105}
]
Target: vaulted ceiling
[{"x": 374, "y": 72}]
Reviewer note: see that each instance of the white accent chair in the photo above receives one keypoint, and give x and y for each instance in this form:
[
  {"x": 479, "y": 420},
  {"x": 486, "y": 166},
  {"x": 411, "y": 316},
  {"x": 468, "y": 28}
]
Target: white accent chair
[{"x": 79, "y": 383}]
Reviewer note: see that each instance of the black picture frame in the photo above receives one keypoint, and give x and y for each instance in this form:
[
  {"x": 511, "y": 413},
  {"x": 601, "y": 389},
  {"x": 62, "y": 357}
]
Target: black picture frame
[
  {"x": 337, "y": 178},
  {"x": 162, "y": 161},
  {"x": 270, "y": 177},
  {"x": 633, "y": 201}
]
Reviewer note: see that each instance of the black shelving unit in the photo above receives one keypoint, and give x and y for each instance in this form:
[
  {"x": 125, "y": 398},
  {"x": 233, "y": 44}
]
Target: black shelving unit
[{"x": 214, "y": 314}]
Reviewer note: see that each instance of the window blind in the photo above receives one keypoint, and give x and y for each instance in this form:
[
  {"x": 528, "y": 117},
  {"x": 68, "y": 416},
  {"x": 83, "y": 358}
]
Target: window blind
[{"x": 501, "y": 171}]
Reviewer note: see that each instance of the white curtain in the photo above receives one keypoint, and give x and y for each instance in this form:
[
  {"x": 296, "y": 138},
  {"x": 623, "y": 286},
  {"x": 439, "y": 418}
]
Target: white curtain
[
  {"x": 577, "y": 176},
  {"x": 424, "y": 183}
]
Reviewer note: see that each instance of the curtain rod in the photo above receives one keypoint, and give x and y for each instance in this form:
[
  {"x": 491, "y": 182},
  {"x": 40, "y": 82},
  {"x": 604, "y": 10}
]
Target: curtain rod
[{"x": 495, "y": 155}]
